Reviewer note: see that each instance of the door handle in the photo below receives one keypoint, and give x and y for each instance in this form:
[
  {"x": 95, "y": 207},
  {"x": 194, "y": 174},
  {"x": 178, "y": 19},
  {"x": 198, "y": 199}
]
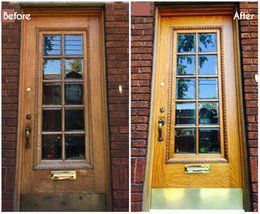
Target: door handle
[
  {"x": 28, "y": 131},
  {"x": 160, "y": 126}
]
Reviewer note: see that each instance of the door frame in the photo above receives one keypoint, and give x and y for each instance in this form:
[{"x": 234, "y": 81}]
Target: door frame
[
  {"x": 50, "y": 11},
  {"x": 182, "y": 9}
]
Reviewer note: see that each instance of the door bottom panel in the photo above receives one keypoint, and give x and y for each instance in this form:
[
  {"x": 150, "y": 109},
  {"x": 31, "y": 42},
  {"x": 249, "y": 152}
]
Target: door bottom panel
[
  {"x": 63, "y": 202},
  {"x": 197, "y": 198}
]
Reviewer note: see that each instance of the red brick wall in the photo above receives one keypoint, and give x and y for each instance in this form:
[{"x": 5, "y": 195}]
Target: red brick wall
[
  {"x": 248, "y": 42},
  {"x": 10, "y": 85},
  {"x": 141, "y": 74},
  {"x": 116, "y": 39}
]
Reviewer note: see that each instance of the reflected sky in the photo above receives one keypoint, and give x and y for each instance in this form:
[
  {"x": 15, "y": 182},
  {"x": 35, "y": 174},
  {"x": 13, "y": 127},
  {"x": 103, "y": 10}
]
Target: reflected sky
[
  {"x": 52, "y": 69},
  {"x": 185, "y": 65},
  {"x": 207, "y": 64},
  {"x": 207, "y": 42},
  {"x": 73, "y": 44},
  {"x": 52, "y": 45},
  {"x": 208, "y": 88}
]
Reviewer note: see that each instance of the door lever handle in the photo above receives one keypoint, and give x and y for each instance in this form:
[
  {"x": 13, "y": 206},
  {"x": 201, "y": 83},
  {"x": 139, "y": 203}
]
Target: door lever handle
[
  {"x": 28, "y": 131},
  {"x": 160, "y": 126}
]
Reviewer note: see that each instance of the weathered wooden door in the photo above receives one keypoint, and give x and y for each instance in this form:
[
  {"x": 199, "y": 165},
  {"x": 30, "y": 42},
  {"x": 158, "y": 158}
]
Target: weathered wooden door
[
  {"x": 63, "y": 150},
  {"x": 195, "y": 127}
]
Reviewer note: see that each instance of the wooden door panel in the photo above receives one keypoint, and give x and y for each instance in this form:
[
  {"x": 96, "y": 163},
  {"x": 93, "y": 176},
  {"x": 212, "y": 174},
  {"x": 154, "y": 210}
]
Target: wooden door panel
[
  {"x": 168, "y": 167},
  {"x": 92, "y": 170},
  {"x": 175, "y": 177}
]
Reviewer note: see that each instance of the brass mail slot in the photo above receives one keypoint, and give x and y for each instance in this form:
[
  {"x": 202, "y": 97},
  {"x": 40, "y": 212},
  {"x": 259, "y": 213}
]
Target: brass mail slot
[
  {"x": 63, "y": 175},
  {"x": 196, "y": 169}
]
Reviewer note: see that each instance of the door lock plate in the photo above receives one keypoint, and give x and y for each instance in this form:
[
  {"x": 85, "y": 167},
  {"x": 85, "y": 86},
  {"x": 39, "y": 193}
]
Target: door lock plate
[
  {"x": 63, "y": 175},
  {"x": 197, "y": 169}
]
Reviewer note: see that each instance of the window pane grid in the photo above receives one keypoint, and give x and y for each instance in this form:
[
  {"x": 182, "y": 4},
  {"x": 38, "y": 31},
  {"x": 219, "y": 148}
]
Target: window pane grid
[
  {"x": 206, "y": 93},
  {"x": 63, "y": 106}
]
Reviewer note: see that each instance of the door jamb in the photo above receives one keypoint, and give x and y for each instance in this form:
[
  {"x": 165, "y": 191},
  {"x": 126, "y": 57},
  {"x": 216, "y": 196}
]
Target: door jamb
[{"x": 205, "y": 9}]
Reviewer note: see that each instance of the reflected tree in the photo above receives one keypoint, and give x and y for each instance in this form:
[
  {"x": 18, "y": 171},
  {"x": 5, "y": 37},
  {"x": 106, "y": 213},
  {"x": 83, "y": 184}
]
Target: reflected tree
[
  {"x": 186, "y": 43},
  {"x": 75, "y": 69}
]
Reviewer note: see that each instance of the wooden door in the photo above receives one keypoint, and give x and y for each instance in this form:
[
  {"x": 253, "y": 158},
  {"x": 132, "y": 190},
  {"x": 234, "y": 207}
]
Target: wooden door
[
  {"x": 63, "y": 158},
  {"x": 196, "y": 133}
]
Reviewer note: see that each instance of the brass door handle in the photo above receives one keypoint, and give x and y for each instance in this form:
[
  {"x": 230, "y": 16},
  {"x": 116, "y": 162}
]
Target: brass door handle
[
  {"x": 28, "y": 131},
  {"x": 160, "y": 126}
]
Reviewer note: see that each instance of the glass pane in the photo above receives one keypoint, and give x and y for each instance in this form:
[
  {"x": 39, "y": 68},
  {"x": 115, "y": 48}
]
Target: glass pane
[
  {"x": 73, "y": 68},
  {"x": 51, "y": 69},
  {"x": 207, "y": 42},
  {"x": 51, "y": 94},
  {"x": 209, "y": 140},
  {"x": 208, "y": 64},
  {"x": 185, "y": 113},
  {"x": 74, "y": 119},
  {"x": 52, "y": 45},
  {"x": 75, "y": 146},
  {"x": 51, "y": 147},
  {"x": 51, "y": 120},
  {"x": 185, "y": 140},
  {"x": 208, "y": 88},
  {"x": 73, "y": 94},
  {"x": 73, "y": 44},
  {"x": 185, "y": 88},
  {"x": 185, "y": 65},
  {"x": 208, "y": 112},
  {"x": 186, "y": 43}
]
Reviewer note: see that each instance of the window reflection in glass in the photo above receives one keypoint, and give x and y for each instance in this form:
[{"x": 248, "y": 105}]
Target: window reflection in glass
[
  {"x": 75, "y": 146},
  {"x": 185, "y": 65},
  {"x": 185, "y": 88},
  {"x": 73, "y": 68},
  {"x": 73, "y": 94},
  {"x": 51, "y": 69},
  {"x": 52, "y": 45},
  {"x": 185, "y": 113},
  {"x": 51, "y": 94},
  {"x": 208, "y": 88},
  {"x": 51, "y": 147},
  {"x": 208, "y": 112},
  {"x": 51, "y": 120},
  {"x": 207, "y": 64},
  {"x": 207, "y": 42},
  {"x": 73, "y": 44},
  {"x": 186, "y": 42},
  {"x": 209, "y": 140},
  {"x": 74, "y": 119},
  {"x": 185, "y": 140}
]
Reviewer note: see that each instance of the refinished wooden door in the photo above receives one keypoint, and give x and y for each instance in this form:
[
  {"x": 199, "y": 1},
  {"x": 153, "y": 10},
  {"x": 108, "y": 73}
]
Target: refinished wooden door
[
  {"x": 196, "y": 133},
  {"x": 63, "y": 150}
]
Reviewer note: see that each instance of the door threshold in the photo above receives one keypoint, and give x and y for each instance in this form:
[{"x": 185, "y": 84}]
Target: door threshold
[{"x": 197, "y": 198}]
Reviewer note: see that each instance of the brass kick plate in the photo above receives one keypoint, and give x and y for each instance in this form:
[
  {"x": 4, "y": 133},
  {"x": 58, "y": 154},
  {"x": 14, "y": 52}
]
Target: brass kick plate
[
  {"x": 197, "y": 169},
  {"x": 63, "y": 175}
]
